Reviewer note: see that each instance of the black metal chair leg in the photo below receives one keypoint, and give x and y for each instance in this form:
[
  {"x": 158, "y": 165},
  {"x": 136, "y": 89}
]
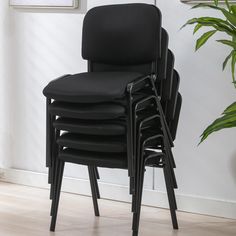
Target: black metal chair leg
[
  {"x": 171, "y": 197},
  {"x": 58, "y": 182},
  {"x": 133, "y": 203},
  {"x": 170, "y": 157},
  {"x": 172, "y": 160},
  {"x": 96, "y": 177},
  {"x": 93, "y": 189},
  {"x": 48, "y": 135},
  {"x": 171, "y": 178},
  {"x": 138, "y": 199},
  {"x": 172, "y": 166},
  {"x": 52, "y": 169},
  {"x": 54, "y": 186},
  {"x": 96, "y": 173}
]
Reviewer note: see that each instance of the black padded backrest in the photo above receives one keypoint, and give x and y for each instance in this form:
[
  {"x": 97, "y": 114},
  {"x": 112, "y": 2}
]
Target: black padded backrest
[
  {"x": 161, "y": 64},
  {"x": 167, "y": 83},
  {"x": 171, "y": 104},
  {"x": 144, "y": 69},
  {"x": 174, "y": 123},
  {"x": 124, "y": 34}
]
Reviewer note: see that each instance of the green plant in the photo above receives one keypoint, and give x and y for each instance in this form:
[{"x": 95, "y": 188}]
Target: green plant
[{"x": 227, "y": 25}]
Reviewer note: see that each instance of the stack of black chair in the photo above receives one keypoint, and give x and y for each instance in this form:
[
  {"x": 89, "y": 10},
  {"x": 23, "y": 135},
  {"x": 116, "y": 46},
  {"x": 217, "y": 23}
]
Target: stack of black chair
[{"x": 122, "y": 113}]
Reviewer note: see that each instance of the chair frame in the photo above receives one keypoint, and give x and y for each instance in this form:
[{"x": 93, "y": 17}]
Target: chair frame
[{"x": 56, "y": 166}]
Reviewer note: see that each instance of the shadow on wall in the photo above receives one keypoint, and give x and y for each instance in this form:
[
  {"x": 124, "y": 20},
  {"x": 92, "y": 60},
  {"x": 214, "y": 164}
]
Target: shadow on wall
[{"x": 82, "y": 9}]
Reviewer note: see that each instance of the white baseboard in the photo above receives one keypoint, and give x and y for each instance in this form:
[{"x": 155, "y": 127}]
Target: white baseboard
[{"x": 193, "y": 204}]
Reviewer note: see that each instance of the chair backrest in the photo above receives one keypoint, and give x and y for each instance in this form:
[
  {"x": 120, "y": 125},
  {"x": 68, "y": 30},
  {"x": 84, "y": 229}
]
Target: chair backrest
[
  {"x": 171, "y": 104},
  {"x": 167, "y": 83},
  {"x": 124, "y": 37},
  {"x": 161, "y": 64},
  {"x": 174, "y": 123}
]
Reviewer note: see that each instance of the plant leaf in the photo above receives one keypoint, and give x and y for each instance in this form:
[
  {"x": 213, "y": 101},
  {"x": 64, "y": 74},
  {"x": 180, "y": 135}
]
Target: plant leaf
[
  {"x": 226, "y": 121},
  {"x": 228, "y": 5},
  {"x": 231, "y": 108},
  {"x": 216, "y": 23},
  {"x": 227, "y": 42},
  {"x": 190, "y": 22},
  {"x": 227, "y": 59},
  {"x": 233, "y": 62},
  {"x": 197, "y": 27},
  {"x": 206, "y": 5},
  {"x": 233, "y": 9},
  {"x": 230, "y": 17},
  {"x": 203, "y": 39},
  {"x": 216, "y": 2},
  {"x": 216, "y": 20}
]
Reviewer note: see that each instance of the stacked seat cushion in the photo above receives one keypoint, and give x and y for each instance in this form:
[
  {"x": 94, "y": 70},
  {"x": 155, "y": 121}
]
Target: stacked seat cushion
[
  {"x": 116, "y": 144},
  {"x": 110, "y": 160},
  {"x": 101, "y": 111},
  {"x": 90, "y": 87},
  {"x": 90, "y": 127}
]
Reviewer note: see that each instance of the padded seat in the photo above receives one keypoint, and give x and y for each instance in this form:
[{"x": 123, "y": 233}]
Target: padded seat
[
  {"x": 90, "y": 87},
  {"x": 93, "y": 143},
  {"x": 109, "y": 160},
  {"x": 101, "y": 111},
  {"x": 90, "y": 127}
]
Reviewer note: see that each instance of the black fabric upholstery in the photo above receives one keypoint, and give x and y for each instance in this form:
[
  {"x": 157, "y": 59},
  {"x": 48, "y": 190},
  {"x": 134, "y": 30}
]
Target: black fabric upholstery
[
  {"x": 122, "y": 34},
  {"x": 171, "y": 104},
  {"x": 101, "y": 111},
  {"x": 174, "y": 123},
  {"x": 93, "y": 143},
  {"x": 109, "y": 160},
  {"x": 90, "y": 127},
  {"x": 144, "y": 69},
  {"x": 91, "y": 87},
  {"x": 149, "y": 68},
  {"x": 162, "y": 63},
  {"x": 167, "y": 83}
]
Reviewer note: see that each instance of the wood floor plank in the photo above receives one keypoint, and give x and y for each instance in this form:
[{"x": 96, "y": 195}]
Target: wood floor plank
[{"x": 25, "y": 211}]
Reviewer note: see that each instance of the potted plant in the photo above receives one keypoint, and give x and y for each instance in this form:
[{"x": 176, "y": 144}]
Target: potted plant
[{"x": 227, "y": 25}]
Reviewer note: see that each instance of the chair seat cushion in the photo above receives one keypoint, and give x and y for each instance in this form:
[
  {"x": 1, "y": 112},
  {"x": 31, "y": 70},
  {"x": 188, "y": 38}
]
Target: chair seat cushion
[
  {"x": 101, "y": 111},
  {"x": 115, "y": 144},
  {"x": 109, "y": 160},
  {"x": 90, "y": 127},
  {"x": 91, "y": 87}
]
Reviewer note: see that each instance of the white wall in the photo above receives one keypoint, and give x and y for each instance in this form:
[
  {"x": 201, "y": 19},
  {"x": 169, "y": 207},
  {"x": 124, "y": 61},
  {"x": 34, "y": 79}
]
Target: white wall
[
  {"x": 208, "y": 170},
  {"x": 5, "y": 132},
  {"x": 44, "y": 44}
]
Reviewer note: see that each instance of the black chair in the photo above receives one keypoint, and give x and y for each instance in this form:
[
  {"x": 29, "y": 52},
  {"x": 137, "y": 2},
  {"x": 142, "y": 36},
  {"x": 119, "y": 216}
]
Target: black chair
[{"x": 113, "y": 113}]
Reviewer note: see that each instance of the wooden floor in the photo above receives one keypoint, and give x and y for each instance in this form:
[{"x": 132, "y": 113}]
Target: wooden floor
[{"x": 25, "y": 211}]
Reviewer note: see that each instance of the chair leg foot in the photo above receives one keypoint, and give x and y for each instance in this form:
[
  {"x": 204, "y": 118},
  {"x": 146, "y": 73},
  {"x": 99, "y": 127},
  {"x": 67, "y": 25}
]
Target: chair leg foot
[
  {"x": 171, "y": 197},
  {"x": 93, "y": 190},
  {"x": 56, "y": 197},
  {"x": 53, "y": 225},
  {"x": 135, "y": 233},
  {"x": 137, "y": 200}
]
